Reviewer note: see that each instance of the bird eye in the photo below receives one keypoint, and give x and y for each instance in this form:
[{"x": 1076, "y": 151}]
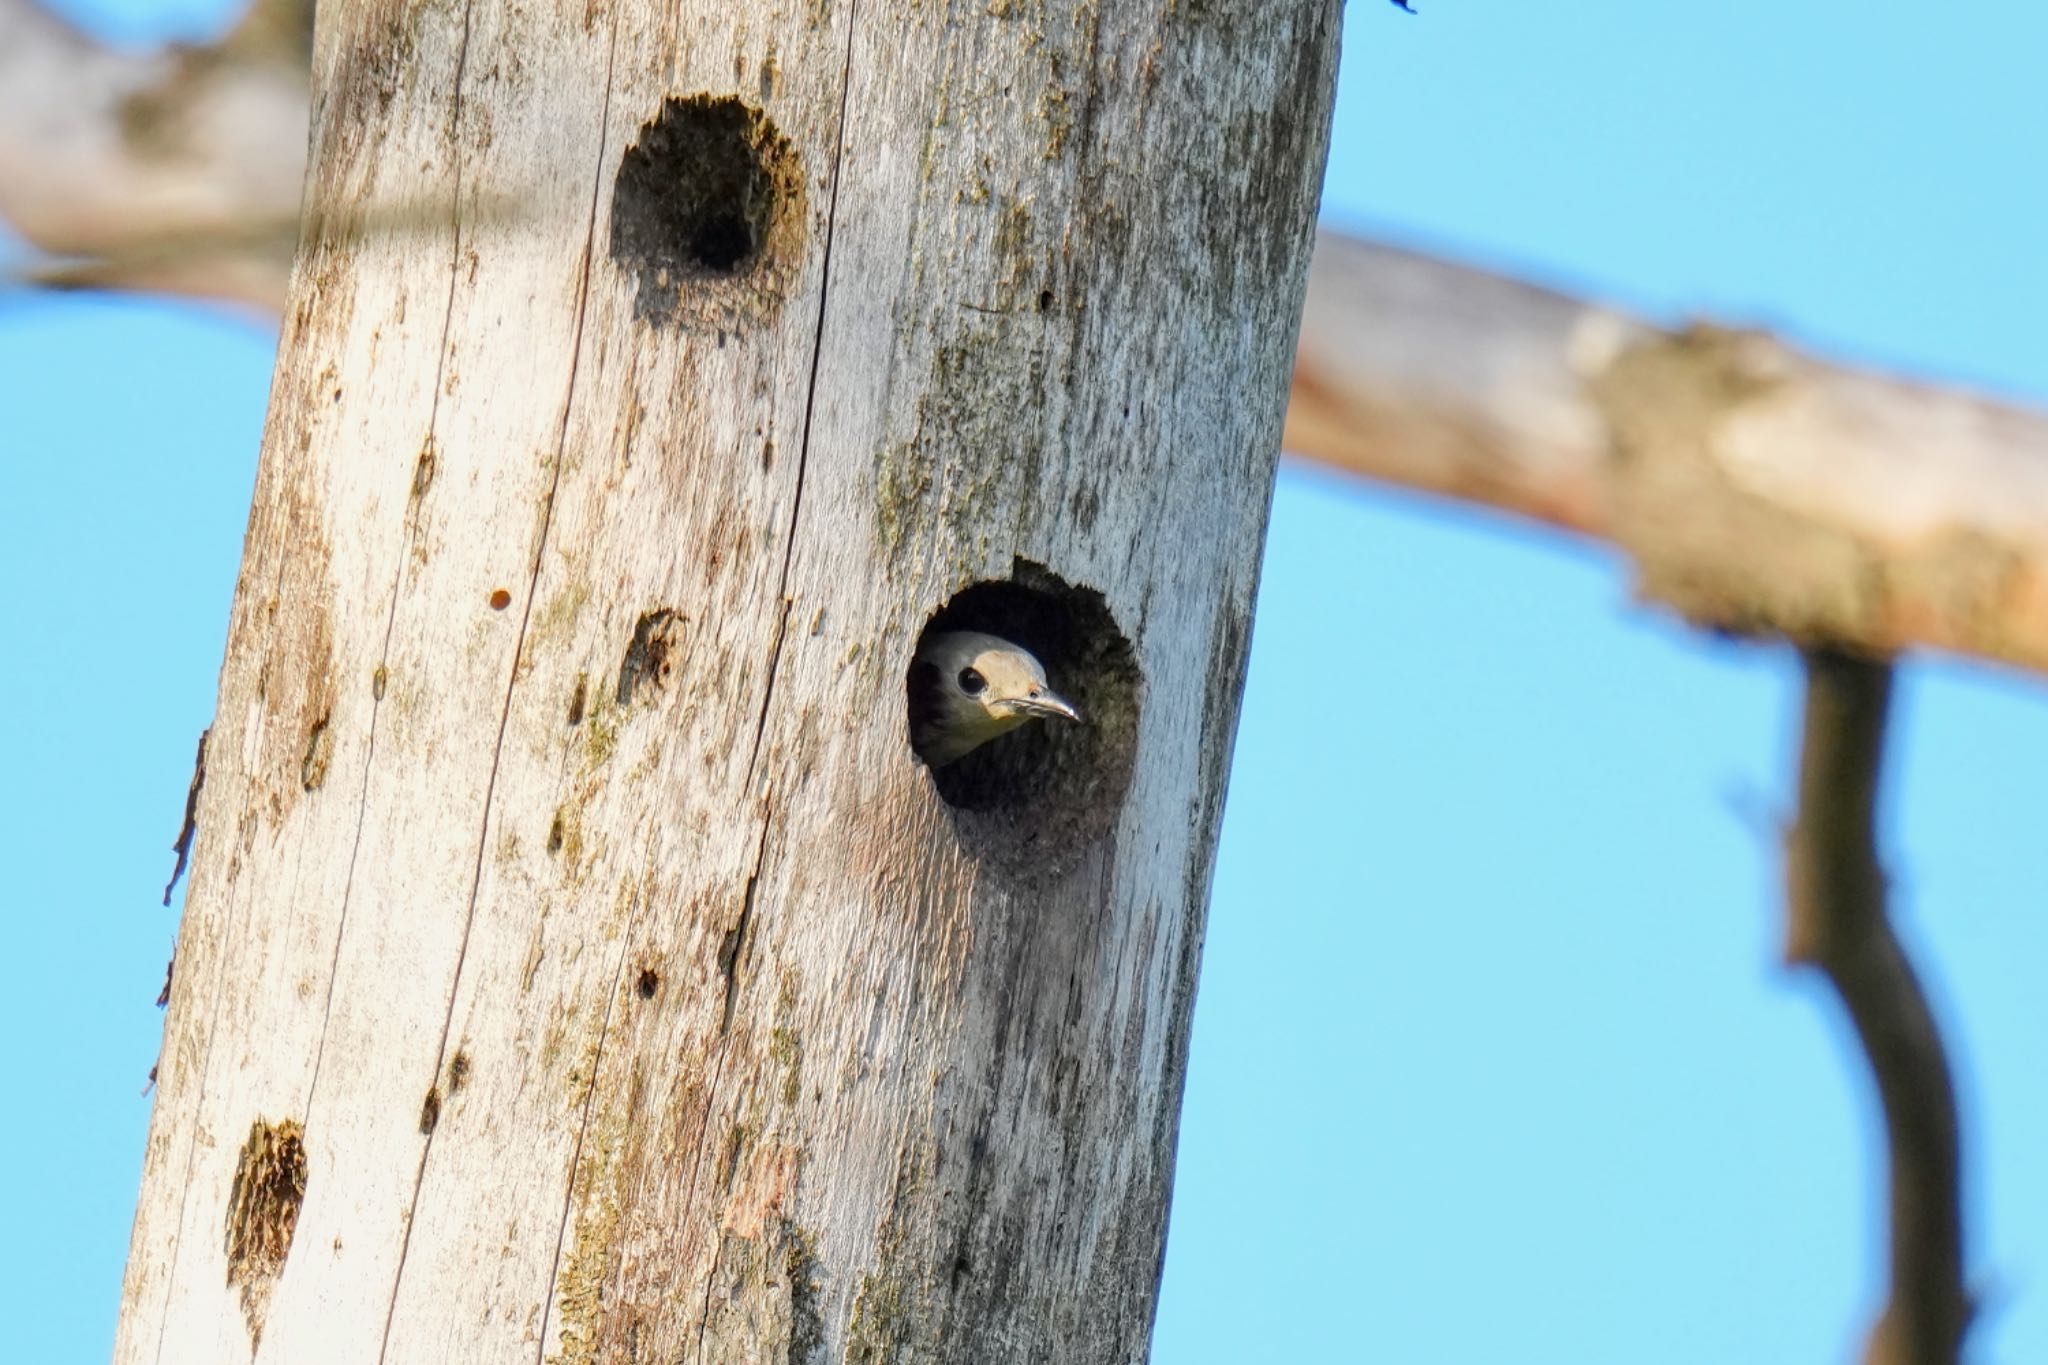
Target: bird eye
[{"x": 972, "y": 682}]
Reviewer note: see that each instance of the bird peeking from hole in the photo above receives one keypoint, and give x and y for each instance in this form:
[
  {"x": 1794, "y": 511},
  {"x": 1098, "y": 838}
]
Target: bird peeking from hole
[{"x": 966, "y": 688}]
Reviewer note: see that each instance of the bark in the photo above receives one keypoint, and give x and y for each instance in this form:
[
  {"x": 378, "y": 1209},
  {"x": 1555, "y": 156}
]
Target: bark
[{"x": 577, "y": 965}]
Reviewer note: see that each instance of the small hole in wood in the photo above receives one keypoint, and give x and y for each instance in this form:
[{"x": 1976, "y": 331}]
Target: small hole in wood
[
  {"x": 647, "y": 983},
  {"x": 651, "y": 656}
]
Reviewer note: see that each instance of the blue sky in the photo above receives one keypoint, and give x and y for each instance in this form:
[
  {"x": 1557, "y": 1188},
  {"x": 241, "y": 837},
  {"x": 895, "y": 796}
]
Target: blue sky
[{"x": 1494, "y": 1060}]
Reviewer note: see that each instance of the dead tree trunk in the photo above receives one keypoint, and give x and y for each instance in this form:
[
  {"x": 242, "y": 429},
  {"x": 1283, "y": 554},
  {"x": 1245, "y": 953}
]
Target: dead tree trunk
[{"x": 577, "y": 964}]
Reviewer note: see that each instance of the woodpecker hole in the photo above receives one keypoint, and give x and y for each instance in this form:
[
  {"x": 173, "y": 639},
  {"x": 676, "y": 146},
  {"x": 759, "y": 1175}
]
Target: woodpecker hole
[
  {"x": 707, "y": 212},
  {"x": 647, "y": 983},
  {"x": 1032, "y": 800}
]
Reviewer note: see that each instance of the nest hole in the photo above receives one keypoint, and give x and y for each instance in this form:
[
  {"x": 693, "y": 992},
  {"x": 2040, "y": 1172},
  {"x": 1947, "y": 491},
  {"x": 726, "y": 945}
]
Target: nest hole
[
  {"x": 1036, "y": 798},
  {"x": 706, "y": 210}
]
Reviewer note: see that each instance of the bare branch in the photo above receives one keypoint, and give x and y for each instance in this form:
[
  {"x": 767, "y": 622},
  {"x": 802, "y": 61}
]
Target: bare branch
[
  {"x": 175, "y": 171},
  {"x": 1758, "y": 490},
  {"x": 1836, "y": 920},
  {"x": 1437, "y": 377}
]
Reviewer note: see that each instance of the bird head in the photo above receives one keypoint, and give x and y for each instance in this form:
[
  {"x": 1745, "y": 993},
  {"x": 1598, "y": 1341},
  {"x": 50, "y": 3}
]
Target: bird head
[{"x": 968, "y": 687}]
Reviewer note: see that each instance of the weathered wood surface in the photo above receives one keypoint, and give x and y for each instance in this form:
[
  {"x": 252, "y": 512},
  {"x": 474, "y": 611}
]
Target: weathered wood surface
[{"x": 576, "y": 964}]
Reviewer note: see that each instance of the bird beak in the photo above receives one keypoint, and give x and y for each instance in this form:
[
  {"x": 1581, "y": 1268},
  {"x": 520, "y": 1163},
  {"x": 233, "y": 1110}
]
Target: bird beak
[{"x": 1048, "y": 703}]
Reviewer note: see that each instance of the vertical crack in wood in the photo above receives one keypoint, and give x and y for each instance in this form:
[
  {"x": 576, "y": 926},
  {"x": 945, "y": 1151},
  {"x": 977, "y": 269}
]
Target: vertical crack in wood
[
  {"x": 604, "y": 1032},
  {"x": 518, "y": 647},
  {"x": 216, "y": 996},
  {"x": 704, "y": 1306},
  {"x": 803, "y": 445},
  {"x": 422, "y": 478},
  {"x": 735, "y": 945},
  {"x": 803, "y": 453},
  {"x": 390, "y": 625},
  {"x": 774, "y": 665}
]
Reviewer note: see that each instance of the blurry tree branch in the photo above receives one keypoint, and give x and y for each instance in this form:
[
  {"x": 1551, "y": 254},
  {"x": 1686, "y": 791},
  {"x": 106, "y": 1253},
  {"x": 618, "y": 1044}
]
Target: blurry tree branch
[
  {"x": 175, "y": 171},
  {"x": 1836, "y": 920},
  {"x": 1756, "y": 489}
]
